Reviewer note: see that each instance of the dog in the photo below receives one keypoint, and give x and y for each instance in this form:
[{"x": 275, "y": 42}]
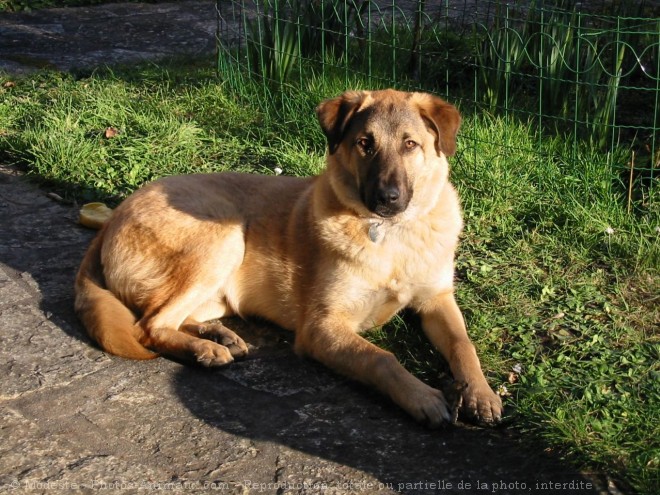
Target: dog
[{"x": 326, "y": 257}]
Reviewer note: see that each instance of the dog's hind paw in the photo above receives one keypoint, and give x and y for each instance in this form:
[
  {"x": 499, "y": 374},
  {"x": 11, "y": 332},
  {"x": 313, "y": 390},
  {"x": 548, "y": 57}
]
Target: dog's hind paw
[
  {"x": 210, "y": 354},
  {"x": 226, "y": 337},
  {"x": 217, "y": 332}
]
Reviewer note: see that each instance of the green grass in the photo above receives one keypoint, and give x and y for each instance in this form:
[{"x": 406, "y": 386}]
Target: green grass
[
  {"x": 563, "y": 281},
  {"x": 554, "y": 274}
]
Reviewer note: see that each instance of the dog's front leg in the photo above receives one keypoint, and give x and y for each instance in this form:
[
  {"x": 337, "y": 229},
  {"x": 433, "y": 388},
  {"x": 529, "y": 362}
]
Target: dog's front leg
[
  {"x": 338, "y": 346},
  {"x": 444, "y": 325}
]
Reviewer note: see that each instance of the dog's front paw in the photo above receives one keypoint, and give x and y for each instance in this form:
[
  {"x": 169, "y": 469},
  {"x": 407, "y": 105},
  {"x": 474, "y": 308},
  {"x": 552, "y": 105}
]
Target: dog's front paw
[
  {"x": 481, "y": 404},
  {"x": 428, "y": 406}
]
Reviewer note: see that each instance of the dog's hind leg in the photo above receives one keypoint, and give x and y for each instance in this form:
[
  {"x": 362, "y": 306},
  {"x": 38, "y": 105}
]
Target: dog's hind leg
[{"x": 195, "y": 291}]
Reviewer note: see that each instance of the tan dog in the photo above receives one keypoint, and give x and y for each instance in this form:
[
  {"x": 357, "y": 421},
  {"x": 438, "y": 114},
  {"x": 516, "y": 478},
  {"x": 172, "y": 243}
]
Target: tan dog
[{"x": 326, "y": 257}]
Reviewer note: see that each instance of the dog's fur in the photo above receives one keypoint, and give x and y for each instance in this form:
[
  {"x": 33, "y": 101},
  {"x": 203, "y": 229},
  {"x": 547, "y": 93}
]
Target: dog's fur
[{"x": 326, "y": 257}]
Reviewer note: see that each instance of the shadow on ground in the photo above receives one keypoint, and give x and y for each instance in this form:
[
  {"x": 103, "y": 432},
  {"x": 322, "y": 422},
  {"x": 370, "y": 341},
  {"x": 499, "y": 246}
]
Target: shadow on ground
[{"x": 309, "y": 413}]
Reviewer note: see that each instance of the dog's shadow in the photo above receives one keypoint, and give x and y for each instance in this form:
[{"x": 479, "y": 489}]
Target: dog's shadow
[{"x": 274, "y": 397}]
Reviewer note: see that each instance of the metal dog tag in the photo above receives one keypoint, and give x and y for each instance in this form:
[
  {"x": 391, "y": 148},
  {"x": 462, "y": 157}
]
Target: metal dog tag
[{"x": 373, "y": 231}]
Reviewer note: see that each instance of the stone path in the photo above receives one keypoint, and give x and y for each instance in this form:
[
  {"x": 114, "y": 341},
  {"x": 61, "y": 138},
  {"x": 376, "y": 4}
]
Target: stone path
[
  {"x": 74, "y": 419},
  {"x": 108, "y": 34}
]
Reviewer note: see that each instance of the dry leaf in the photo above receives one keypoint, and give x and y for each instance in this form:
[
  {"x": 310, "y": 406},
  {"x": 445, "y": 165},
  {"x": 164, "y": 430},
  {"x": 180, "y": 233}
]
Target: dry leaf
[
  {"x": 9, "y": 84},
  {"x": 111, "y": 132}
]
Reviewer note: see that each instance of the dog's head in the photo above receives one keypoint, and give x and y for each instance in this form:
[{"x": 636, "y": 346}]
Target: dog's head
[{"x": 385, "y": 146}]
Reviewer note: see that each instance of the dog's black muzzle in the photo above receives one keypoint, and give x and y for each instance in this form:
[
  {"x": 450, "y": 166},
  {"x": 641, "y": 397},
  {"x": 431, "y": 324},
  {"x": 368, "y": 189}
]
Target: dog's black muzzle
[{"x": 386, "y": 191}]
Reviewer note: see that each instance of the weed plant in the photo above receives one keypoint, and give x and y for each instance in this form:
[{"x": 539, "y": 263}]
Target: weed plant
[
  {"x": 574, "y": 67},
  {"x": 557, "y": 279},
  {"x": 284, "y": 34}
]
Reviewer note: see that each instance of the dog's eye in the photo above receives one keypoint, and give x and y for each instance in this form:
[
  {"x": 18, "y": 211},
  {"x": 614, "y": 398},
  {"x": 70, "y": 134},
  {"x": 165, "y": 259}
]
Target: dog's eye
[
  {"x": 410, "y": 144},
  {"x": 365, "y": 144}
]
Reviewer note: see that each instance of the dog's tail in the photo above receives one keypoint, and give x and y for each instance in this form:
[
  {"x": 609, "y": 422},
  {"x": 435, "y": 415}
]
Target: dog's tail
[{"x": 107, "y": 320}]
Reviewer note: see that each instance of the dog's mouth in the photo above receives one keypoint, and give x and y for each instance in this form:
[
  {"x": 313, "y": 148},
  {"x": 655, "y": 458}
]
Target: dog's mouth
[{"x": 386, "y": 211}]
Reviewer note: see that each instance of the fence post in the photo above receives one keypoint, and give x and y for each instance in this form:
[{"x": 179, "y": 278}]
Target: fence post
[
  {"x": 322, "y": 38},
  {"x": 655, "y": 150},
  {"x": 415, "y": 62},
  {"x": 369, "y": 41},
  {"x": 507, "y": 67},
  {"x": 346, "y": 48},
  {"x": 446, "y": 47},
  {"x": 577, "y": 86},
  {"x": 541, "y": 76},
  {"x": 244, "y": 25},
  {"x": 393, "y": 42}
]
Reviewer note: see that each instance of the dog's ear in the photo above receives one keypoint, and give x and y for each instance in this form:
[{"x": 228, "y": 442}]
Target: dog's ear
[
  {"x": 442, "y": 119},
  {"x": 335, "y": 114}
]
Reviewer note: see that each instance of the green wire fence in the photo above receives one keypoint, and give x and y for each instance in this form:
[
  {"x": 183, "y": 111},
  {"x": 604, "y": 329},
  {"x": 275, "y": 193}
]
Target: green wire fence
[{"x": 589, "y": 71}]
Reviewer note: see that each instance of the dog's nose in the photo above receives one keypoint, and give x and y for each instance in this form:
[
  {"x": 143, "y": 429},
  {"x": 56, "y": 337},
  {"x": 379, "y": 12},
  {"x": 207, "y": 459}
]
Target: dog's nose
[{"x": 388, "y": 195}]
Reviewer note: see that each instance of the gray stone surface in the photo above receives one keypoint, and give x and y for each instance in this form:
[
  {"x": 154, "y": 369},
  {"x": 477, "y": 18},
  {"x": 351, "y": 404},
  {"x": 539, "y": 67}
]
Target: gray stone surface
[
  {"x": 108, "y": 34},
  {"x": 73, "y": 419}
]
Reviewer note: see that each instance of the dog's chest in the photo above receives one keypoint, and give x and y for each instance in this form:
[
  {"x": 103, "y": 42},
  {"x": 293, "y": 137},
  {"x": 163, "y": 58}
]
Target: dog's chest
[
  {"x": 413, "y": 257},
  {"x": 404, "y": 270}
]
